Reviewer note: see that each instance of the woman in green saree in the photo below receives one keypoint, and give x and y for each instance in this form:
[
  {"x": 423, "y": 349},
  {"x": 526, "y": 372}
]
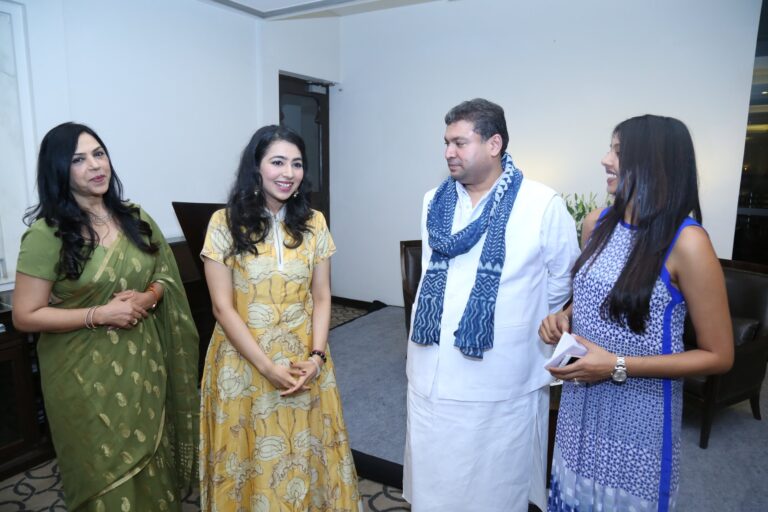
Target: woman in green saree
[{"x": 118, "y": 347}]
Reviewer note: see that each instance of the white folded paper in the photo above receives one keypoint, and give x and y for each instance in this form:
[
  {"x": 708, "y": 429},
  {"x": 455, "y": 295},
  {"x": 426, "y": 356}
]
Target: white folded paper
[{"x": 567, "y": 347}]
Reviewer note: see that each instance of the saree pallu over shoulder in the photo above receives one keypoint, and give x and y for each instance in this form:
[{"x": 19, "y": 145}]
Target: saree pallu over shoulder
[
  {"x": 112, "y": 396},
  {"x": 180, "y": 341}
]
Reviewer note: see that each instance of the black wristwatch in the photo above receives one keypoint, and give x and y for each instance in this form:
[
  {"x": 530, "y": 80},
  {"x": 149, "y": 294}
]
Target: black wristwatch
[{"x": 619, "y": 373}]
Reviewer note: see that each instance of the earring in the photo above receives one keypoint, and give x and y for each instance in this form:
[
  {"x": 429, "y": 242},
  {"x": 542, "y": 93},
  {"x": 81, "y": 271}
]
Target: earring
[
  {"x": 296, "y": 194},
  {"x": 256, "y": 192}
]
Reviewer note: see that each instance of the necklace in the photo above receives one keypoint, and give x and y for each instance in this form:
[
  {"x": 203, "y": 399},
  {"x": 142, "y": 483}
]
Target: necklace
[
  {"x": 100, "y": 220},
  {"x": 104, "y": 237}
]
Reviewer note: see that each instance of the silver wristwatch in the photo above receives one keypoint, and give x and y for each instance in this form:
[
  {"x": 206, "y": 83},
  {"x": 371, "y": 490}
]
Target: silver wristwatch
[{"x": 619, "y": 373}]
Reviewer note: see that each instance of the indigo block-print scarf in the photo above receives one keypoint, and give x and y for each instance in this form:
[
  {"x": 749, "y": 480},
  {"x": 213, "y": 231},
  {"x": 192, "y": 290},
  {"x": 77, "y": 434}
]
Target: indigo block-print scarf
[{"x": 475, "y": 332}]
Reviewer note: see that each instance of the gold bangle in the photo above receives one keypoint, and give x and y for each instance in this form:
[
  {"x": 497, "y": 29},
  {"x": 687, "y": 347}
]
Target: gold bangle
[
  {"x": 87, "y": 314},
  {"x": 93, "y": 315},
  {"x": 151, "y": 288},
  {"x": 89, "y": 317}
]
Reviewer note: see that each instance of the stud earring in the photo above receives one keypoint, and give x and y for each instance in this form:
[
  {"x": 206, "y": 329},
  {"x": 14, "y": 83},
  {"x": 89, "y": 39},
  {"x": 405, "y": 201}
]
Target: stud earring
[
  {"x": 296, "y": 194},
  {"x": 256, "y": 192}
]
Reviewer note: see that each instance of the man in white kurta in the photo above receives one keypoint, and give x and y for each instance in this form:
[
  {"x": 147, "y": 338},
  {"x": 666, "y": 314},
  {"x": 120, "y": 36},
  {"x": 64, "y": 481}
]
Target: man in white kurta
[{"x": 477, "y": 428}]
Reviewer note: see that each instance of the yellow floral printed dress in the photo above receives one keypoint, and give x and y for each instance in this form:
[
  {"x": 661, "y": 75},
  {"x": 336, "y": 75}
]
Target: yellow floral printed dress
[{"x": 261, "y": 452}]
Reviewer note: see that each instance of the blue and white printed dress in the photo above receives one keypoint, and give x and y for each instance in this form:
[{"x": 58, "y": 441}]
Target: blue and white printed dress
[{"x": 617, "y": 446}]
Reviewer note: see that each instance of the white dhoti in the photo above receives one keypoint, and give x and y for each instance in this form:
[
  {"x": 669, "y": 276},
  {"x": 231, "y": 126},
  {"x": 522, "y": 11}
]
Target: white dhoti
[
  {"x": 476, "y": 456},
  {"x": 477, "y": 429}
]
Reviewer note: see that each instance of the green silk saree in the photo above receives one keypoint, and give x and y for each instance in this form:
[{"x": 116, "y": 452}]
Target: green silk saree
[{"x": 122, "y": 404}]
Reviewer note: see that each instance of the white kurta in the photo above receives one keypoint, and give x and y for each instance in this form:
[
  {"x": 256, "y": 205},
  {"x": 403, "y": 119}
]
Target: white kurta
[{"x": 477, "y": 428}]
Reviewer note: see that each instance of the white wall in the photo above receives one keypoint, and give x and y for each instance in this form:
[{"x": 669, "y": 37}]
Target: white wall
[
  {"x": 306, "y": 47},
  {"x": 16, "y": 134},
  {"x": 175, "y": 88},
  {"x": 168, "y": 85},
  {"x": 565, "y": 72}
]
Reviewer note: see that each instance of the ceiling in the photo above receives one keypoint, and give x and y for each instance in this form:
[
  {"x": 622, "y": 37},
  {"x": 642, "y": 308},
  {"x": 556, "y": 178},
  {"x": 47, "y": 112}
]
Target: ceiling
[{"x": 282, "y": 9}]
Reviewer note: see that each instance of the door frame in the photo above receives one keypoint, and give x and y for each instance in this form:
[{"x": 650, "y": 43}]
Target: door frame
[{"x": 317, "y": 90}]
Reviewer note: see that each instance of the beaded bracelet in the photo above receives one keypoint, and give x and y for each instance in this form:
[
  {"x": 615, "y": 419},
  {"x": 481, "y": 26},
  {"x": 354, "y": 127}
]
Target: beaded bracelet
[{"x": 319, "y": 353}]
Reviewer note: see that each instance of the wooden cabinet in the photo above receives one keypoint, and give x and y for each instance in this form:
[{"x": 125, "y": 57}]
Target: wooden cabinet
[{"x": 24, "y": 439}]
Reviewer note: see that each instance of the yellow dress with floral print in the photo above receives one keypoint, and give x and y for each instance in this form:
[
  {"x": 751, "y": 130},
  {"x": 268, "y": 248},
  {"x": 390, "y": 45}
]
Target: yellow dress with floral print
[{"x": 259, "y": 451}]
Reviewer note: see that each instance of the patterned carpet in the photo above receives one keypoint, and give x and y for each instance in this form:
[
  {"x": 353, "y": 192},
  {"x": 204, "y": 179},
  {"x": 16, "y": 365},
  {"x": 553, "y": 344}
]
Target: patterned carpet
[{"x": 39, "y": 489}]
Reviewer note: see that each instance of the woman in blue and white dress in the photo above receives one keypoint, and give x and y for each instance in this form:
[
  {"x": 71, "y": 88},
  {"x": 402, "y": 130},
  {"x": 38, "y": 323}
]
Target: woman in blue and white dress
[{"x": 646, "y": 261}]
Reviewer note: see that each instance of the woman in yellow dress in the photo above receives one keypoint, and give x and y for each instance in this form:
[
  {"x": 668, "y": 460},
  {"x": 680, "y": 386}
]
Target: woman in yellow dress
[{"x": 272, "y": 432}]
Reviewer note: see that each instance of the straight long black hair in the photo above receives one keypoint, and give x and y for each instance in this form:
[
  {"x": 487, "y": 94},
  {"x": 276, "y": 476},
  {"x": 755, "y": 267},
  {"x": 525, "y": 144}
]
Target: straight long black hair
[
  {"x": 58, "y": 207},
  {"x": 247, "y": 214},
  {"x": 658, "y": 179}
]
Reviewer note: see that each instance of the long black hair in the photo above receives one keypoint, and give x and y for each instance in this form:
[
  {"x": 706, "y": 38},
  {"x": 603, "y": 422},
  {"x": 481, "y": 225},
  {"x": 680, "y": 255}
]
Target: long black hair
[
  {"x": 247, "y": 214},
  {"x": 57, "y": 204},
  {"x": 658, "y": 179}
]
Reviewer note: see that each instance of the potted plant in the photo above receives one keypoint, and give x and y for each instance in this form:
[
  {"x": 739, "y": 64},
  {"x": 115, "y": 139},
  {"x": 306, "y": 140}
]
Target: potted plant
[{"x": 579, "y": 205}]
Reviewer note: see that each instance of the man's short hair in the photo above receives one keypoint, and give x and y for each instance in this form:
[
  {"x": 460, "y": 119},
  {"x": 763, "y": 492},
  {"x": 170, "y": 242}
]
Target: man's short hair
[{"x": 487, "y": 118}]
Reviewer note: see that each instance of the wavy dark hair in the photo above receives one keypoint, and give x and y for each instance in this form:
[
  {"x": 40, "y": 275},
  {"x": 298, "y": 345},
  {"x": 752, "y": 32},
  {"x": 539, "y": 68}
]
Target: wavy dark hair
[
  {"x": 57, "y": 204},
  {"x": 247, "y": 215},
  {"x": 658, "y": 179}
]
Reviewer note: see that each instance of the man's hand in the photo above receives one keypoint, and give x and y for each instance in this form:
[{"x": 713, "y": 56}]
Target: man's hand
[{"x": 553, "y": 327}]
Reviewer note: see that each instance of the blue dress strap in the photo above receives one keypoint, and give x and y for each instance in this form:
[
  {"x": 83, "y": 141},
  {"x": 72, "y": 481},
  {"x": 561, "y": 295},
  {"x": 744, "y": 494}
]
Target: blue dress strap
[
  {"x": 688, "y": 221},
  {"x": 600, "y": 218}
]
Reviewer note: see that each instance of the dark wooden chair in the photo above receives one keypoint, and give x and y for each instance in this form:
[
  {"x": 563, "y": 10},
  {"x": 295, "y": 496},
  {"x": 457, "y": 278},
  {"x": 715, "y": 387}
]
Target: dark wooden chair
[
  {"x": 747, "y": 288},
  {"x": 410, "y": 270},
  {"x": 193, "y": 219}
]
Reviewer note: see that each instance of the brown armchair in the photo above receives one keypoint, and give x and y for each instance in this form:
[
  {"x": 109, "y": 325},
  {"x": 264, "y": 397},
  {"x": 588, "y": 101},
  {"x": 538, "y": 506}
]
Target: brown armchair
[
  {"x": 747, "y": 288},
  {"x": 410, "y": 269}
]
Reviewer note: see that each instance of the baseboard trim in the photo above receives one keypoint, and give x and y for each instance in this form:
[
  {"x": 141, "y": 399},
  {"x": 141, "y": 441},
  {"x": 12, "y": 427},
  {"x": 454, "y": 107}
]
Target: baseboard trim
[{"x": 360, "y": 304}]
